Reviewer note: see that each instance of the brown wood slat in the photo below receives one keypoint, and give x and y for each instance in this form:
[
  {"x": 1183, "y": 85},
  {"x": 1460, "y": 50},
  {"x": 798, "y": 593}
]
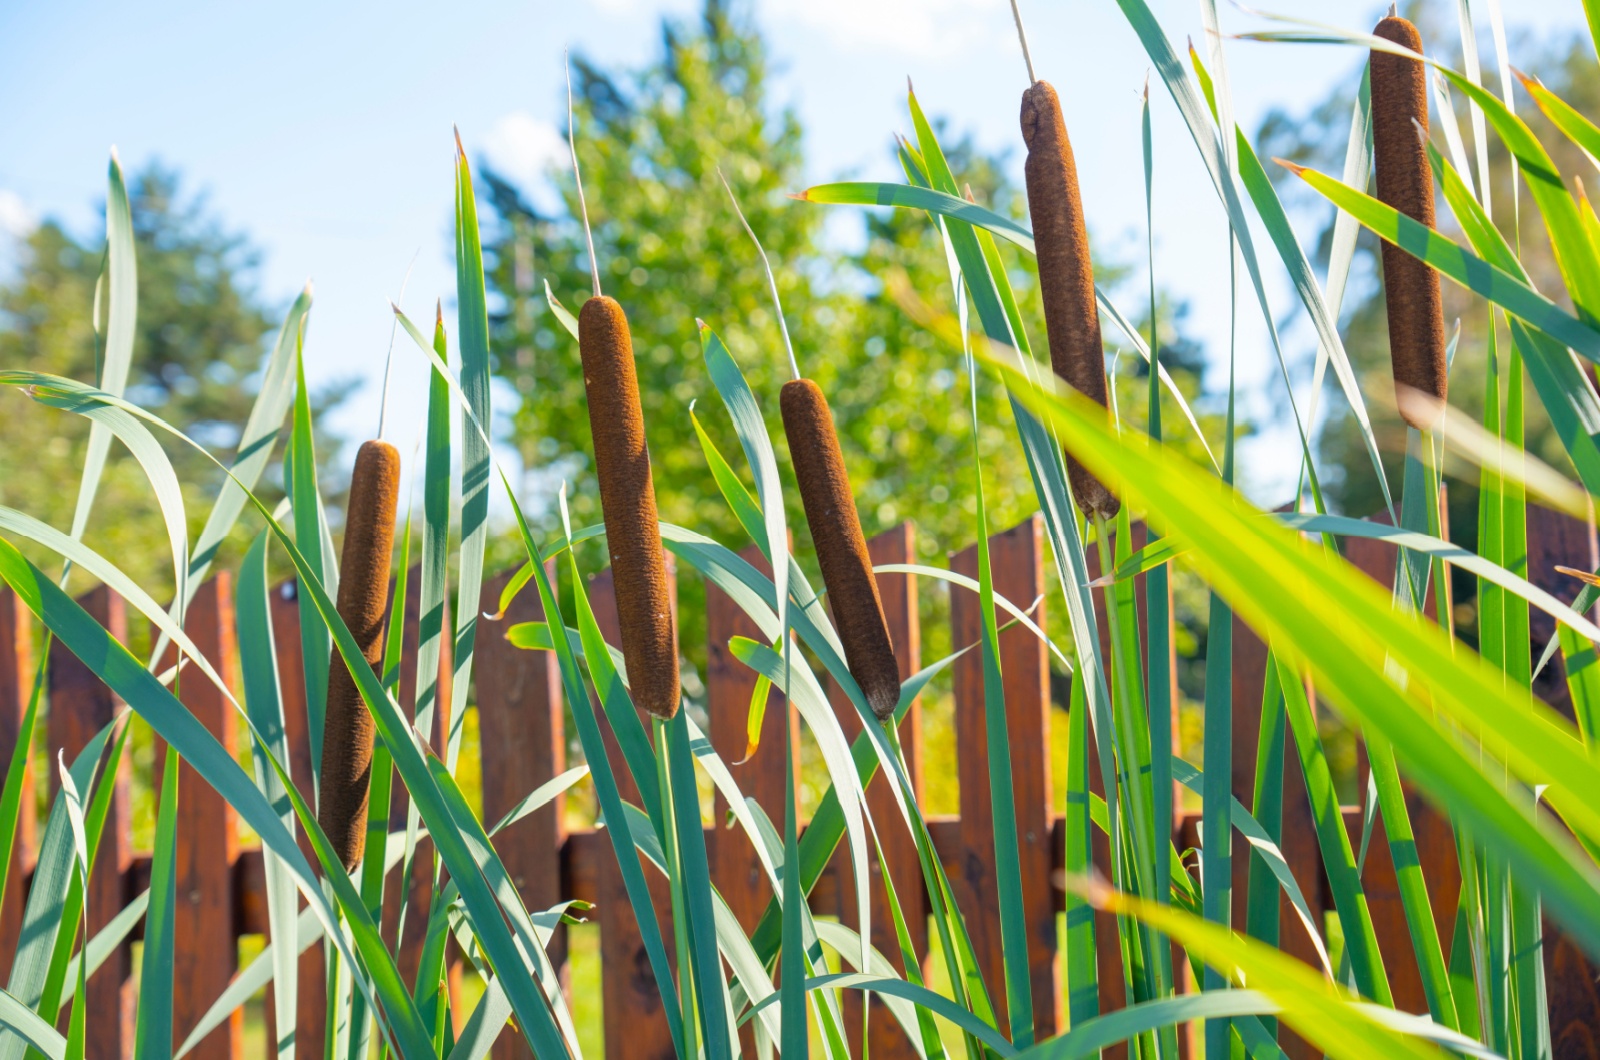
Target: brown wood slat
[
  {"x": 522, "y": 739},
  {"x": 1108, "y": 960},
  {"x": 735, "y": 870},
  {"x": 1435, "y": 842},
  {"x": 1017, "y": 559},
  {"x": 886, "y": 1039},
  {"x": 16, "y": 688},
  {"x": 205, "y": 951},
  {"x": 1571, "y": 978},
  {"x": 409, "y": 953},
  {"x": 1298, "y": 836},
  {"x": 634, "y": 1019},
  {"x": 80, "y": 706},
  {"x": 311, "y": 1002}
]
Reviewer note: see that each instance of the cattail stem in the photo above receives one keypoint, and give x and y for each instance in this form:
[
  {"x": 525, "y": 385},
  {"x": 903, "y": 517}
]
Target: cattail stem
[
  {"x": 1066, "y": 275},
  {"x": 1405, "y": 181},
  {"x": 841, "y": 546},
  {"x": 363, "y": 597},
  {"x": 628, "y": 504}
]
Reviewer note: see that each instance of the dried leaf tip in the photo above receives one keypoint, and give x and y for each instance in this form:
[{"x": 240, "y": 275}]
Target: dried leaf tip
[{"x": 1292, "y": 167}]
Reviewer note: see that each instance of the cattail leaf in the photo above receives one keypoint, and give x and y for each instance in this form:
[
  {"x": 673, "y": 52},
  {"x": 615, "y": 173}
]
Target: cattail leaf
[
  {"x": 254, "y": 452},
  {"x": 258, "y": 668},
  {"x": 117, "y": 357},
  {"x": 50, "y": 896},
  {"x": 1467, "y": 269},
  {"x": 745, "y": 508},
  {"x": 534, "y": 959},
  {"x": 923, "y": 997},
  {"x": 1529, "y": 738},
  {"x": 940, "y": 203},
  {"x": 473, "y": 338},
  {"x": 611, "y": 806},
  {"x": 1455, "y": 555},
  {"x": 1310, "y": 1003},
  {"x": 153, "y": 1027},
  {"x": 12, "y": 794},
  {"x": 25, "y": 1024},
  {"x": 865, "y": 193},
  {"x": 100, "y": 407},
  {"x": 178, "y": 727}
]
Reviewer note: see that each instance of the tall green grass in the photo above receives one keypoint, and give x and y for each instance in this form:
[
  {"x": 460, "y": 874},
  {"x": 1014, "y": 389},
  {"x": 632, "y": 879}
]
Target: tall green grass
[{"x": 1515, "y": 778}]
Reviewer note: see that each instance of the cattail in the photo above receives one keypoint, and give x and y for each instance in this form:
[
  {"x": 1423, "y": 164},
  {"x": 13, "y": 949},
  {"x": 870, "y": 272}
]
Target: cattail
[
  {"x": 841, "y": 547},
  {"x": 1066, "y": 277},
  {"x": 628, "y": 504},
  {"x": 363, "y": 595},
  {"x": 1405, "y": 182}
]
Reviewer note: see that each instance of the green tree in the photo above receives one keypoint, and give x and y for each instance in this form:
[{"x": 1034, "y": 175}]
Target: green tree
[
  {"x": 670, "y": 249},
  {"x": 202, "y": 332}
]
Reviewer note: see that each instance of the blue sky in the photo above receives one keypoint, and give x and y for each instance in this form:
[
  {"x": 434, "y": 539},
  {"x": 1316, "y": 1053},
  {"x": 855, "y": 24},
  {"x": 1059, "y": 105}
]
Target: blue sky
[{"x": 323, "y": 130}]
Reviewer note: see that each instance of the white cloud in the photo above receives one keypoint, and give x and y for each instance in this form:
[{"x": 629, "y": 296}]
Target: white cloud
[
  {"x": 930, "y": 28},
  {"x": 17, "y": 218},
  {"x": 524, "y": 149}
]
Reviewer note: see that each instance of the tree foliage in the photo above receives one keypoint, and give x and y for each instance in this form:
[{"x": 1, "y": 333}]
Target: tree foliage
[{"x": 203, "y": 328}]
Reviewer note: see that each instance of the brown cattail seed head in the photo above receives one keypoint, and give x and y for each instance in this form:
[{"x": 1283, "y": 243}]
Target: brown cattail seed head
[
  {"x": 841, "y": 547},
  {"x": 1066, "y": 276},
  {"x": 363, "y": 595},
  {"x": 1405, "y": 182},
  {"x": 628, "y": 503}
]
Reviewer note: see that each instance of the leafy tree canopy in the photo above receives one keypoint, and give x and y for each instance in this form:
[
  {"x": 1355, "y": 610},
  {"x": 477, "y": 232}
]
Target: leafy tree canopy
[{"x": 203, "y": 329}]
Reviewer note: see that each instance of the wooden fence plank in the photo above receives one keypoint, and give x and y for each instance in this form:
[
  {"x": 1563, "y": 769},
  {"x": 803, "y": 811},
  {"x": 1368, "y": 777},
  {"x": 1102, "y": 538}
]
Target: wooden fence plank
[
  {"x": 1435, "y": 840},
  {"x": 886, "y": 1040},
  {"x": 635, "y": 1023},
  {"x": 735, "y": 870},
  {"x": 311, "y": 1002},
  {"x": 1018, "y": 563},
  {"x": 80, "y": 706},
  {"x": 205, "y": 951},
  {"x": 1108, "y": 961},
  {"x": 16, "y": 688},
  {"x": 409, "y": 951},
  {"x": 1298, "y": 835},
  {"x": 522, "y": 740},
  {"x": 1556, "y": 540}
]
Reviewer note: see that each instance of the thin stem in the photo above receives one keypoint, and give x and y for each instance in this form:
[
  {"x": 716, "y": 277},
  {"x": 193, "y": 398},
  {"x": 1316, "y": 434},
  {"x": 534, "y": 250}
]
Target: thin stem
[
  {"x": 772, "y": 283},
  {"x": 388, "y": 361},
  {"x": 583, "y": 205},
  {"x": 1022, "y": 35}
]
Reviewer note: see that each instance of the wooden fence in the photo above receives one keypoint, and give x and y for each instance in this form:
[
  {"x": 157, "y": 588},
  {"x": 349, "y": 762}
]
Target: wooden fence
[{"x": 221, "y": 891}]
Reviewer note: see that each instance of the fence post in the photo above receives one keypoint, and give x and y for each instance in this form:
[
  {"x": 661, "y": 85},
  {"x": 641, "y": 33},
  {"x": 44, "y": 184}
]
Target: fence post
[
  {"x": 80, "y": 706},
  {"x": 1017, "y": 560},
  {"x": 16, "y": 688},
  {"x": 735, "y": 870},
  {"x": 311, "y": 1000},
  {"x": 522, "y": 741},
  {"x": 1435, "y": 840},
  {"x": 408, "y": 950},
  {"x": 899, "y": 592},
  {"x": 205, "y": 948},
  {"x": 1297, "y": 836},
  {"x": 1556, "y": 540},
  {"x": 1113, "y": 993},
  {"x": 635, "y": 1023}
]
